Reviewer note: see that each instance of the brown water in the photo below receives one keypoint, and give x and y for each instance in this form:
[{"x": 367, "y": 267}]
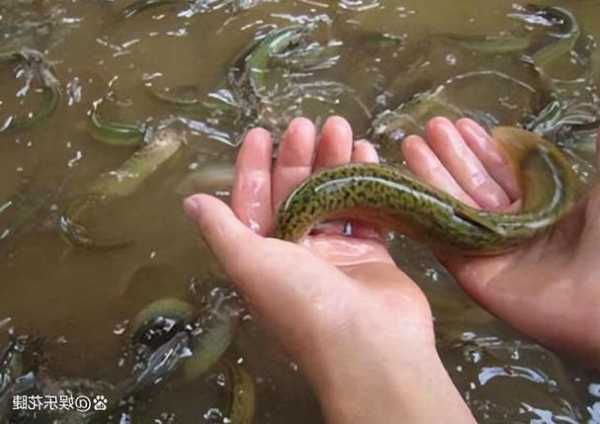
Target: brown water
[{"x": 79, "y": 301}]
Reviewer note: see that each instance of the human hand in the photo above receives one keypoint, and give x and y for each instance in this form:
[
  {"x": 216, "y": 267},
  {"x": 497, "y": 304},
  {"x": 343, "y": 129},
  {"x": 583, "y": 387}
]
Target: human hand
[
  {"x": 338, "y": 304},
  {"x": 548, "y": 289}
]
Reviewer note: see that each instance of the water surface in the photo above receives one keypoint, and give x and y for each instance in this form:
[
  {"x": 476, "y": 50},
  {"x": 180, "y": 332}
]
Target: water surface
[{"x": 79, "y": 301}]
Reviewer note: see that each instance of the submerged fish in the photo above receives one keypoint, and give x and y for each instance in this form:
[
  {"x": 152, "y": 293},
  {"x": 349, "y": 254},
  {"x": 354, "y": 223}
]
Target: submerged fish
[
  {"x": 388, "y": 196},
  {"x": 117, "y": 184},
  {"x": 39, "y": 70},
  {"x": 115, "y": 133}
]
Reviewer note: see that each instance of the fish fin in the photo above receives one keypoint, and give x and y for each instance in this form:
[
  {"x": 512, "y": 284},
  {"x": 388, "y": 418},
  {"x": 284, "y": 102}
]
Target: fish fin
[{"x": 476, "y": 218}]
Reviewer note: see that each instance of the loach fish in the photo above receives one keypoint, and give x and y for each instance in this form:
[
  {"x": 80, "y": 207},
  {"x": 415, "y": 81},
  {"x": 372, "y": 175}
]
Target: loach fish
[
  {"x": 252, "y": 69},
  {"x": 37, "y": 69},
  {"x": 115, "y": 133},
  {"x": 119, "y": 183},
  {"x": 386, "y": 195}
]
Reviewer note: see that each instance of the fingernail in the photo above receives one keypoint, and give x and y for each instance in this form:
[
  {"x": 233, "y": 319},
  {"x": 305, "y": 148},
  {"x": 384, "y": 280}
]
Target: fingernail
[
  {"x": 443, "y": 127},
  {"x": 298, "y": 122},
  {"x": 478, "y": 131},
  {"x": 440, "y": 122},
  {"x": 494, "y": 201},
  {"x": 341, "y": 121},
  {"x": 192, "y": 206}
]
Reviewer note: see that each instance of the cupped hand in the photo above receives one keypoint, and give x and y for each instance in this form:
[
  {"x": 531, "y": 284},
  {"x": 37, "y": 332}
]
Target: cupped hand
[
  {"x": 337, "y": 303},
  {"x": 548, "y": 289}
]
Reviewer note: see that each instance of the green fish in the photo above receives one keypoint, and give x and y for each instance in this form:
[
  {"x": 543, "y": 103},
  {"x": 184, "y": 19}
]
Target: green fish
[
  {"x": 119, "y": 183},
  {"x": 385, "y": 195},
  {"x": 39, "y": 70}
]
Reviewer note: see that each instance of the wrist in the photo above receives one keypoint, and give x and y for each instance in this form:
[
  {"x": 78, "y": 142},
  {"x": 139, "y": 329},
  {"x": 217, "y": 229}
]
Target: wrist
[
  {"x": 415, "y": 390},
  {"x": 371, "y": 355}
]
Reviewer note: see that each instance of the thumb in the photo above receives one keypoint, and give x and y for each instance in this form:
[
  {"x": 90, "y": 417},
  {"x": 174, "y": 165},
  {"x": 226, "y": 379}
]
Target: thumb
[
  {"x": 221, "y": 229},
  {"x": 267, "y": 271}
]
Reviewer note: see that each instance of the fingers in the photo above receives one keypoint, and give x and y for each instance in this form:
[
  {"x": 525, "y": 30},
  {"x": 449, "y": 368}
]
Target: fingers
[
  {"x": 294, "y": 160},
  {"x": 462, "y": 163},
  {"x": 255, "y": 187},
  {"x": 364, "y": 152},
  {"x": 267, "y": 274},
  {"x": 248, "y": 258},
  {"x": 335, "y": 146},
  {"x": 490, "y": 155},
  {"x": 222, "y": 231},
  {"x": 424, "y": 163},
  {"x": 251, "y": 195}
]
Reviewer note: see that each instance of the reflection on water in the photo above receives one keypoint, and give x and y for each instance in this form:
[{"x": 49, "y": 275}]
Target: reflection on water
[{"x": 211, "y": 69}]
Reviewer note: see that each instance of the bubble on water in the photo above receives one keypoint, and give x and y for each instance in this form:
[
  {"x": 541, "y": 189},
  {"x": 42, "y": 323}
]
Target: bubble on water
[
  {"x": 359, "y": 5},
  {"x": 451, "y": 59},
  {"x": 121, "y": 327},
  {"x": 74, "y": 90},
  {"x": 594, "y": 411},
  {"x": 472, "y": 354},
  {"x": 547, "y": 416},
  {"x": 221, "y": 380},
  {"x": 165, "y": 418},
  {"x": 213, "y": 414},
  {"x": 467, "y": 335},
  {"x": 74, "y": 160},
  {"x": 5, "y": 321},
  {"x": 535, "y": 376},
  {"x": 432, "y": 274}
]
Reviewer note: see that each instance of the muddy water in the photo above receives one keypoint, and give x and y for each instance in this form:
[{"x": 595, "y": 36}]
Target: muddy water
[{"x": 78, "y": 302}]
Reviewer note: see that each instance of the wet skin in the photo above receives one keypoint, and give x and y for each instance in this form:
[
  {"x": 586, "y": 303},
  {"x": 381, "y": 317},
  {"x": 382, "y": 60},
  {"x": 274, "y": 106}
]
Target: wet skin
[
  {"x": 554, "y": 279},
  {"x": 348, "y": 314},
  {"x": 387, "y": 195}
]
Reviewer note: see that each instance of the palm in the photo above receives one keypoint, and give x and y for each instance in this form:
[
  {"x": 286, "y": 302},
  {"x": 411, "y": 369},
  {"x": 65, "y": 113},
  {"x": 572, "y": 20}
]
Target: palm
[
  {"x": 552, "y": 280},
  {"x": 330, "y": 276},
  {"x": 548, "y": 289},
  {"x": 264, "y": 187}
]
